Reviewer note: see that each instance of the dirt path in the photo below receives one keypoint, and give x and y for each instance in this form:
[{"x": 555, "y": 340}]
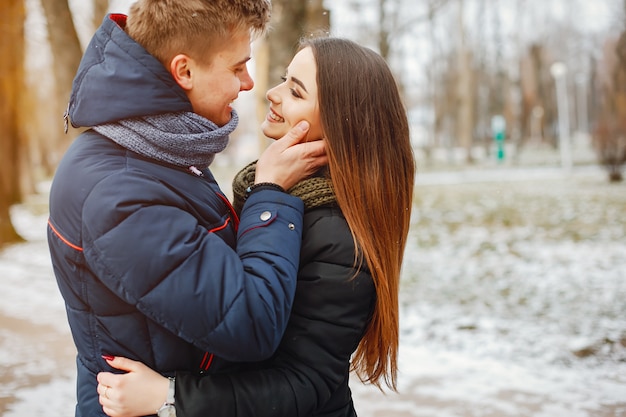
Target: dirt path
[{"x": 34, "y": 356}]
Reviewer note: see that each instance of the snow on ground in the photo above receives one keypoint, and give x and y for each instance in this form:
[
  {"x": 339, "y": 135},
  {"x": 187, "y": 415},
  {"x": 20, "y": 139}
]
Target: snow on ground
[
  {"x": 513, "y": 303},
  {"x": 514, "y": 298}
]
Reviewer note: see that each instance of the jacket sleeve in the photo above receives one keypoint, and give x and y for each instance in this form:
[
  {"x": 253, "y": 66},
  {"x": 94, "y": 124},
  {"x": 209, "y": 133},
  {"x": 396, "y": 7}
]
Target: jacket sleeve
[
  {"x": 233, "y": 302},
  {"x": 330, "y": 312}
]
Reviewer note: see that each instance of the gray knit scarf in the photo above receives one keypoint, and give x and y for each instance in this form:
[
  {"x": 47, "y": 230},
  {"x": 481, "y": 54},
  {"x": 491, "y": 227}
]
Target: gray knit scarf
[{"x": 184, "y": 139}]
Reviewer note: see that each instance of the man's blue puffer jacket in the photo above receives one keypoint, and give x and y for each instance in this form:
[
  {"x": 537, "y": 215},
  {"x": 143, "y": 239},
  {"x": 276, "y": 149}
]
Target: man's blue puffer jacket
[{"x": 151, "y": 260}]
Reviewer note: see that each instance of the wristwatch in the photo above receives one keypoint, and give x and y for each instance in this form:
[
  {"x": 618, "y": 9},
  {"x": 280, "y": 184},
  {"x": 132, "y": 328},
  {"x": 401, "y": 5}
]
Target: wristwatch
[{"x": 168, "y": 409}]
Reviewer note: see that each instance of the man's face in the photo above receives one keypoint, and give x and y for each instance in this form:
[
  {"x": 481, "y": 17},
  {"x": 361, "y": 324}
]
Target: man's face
[{"x": 216, "y": 84}]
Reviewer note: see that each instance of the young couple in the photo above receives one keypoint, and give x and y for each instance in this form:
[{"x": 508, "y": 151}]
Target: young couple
[{"x": 261, "y": 308}]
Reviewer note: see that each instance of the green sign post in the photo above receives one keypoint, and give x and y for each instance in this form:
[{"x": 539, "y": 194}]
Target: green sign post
[{"x": 498, "y": 129}]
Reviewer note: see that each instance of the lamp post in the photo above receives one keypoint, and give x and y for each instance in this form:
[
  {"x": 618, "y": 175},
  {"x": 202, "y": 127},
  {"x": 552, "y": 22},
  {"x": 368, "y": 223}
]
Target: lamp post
[{"x": 559, "y": 72}]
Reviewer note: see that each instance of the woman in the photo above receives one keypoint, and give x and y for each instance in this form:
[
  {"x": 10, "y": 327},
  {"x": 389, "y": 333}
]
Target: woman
[{"x": 357, "y": 215}]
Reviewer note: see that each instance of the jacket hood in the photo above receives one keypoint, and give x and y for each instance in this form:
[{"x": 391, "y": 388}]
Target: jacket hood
[{"x": 118, "y": 79}]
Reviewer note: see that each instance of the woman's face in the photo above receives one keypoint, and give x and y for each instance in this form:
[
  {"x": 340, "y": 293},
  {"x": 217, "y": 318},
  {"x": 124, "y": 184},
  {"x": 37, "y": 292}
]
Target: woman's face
[{"x": 295, "y": 99}]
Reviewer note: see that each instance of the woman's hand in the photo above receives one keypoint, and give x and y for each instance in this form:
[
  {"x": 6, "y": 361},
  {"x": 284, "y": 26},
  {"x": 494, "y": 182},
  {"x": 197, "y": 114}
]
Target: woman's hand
[{"x": 139, "y": 392}]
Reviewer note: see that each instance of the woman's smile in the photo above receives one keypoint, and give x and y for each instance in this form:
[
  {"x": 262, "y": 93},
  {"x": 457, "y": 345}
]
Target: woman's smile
[{"x": 273, "y": 116}]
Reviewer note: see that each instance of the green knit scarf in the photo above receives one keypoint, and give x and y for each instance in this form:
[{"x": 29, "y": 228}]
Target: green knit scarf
[{"x": 315, "y": 191}]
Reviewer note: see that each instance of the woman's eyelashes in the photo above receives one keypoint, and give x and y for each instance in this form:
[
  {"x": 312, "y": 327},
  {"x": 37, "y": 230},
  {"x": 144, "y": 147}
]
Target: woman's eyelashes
[{"x": 294, "y": 92}]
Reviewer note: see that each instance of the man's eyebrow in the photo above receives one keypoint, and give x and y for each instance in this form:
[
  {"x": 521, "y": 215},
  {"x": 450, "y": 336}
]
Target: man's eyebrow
[
  {"x": 243, "y": 61},
  {"x": 300, "y": 83}
]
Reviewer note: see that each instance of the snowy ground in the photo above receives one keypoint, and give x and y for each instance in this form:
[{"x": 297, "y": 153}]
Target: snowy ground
[
  {"x": 513, "y": 303},
  {"x": 514, "y": 298}
]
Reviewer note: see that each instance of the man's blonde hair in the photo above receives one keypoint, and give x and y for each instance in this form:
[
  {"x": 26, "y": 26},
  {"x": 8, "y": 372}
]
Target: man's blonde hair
[{"x": 166, "y": 28}]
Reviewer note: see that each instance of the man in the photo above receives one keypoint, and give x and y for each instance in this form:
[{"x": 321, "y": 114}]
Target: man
[{"x": 149, "y": 256}]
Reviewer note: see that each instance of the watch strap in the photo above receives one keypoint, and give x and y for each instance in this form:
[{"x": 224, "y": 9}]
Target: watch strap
[{"x": 168, "y": 409}]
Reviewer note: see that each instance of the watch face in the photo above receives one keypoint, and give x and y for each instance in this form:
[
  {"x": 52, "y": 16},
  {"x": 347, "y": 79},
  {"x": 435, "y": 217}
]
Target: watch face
[{"x": 168, "y": 410}]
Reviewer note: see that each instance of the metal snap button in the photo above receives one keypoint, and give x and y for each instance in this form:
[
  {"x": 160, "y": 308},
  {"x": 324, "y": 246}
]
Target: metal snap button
[
  {"x": 265, "y": 216},
  {"x": 292, "y": 226}
]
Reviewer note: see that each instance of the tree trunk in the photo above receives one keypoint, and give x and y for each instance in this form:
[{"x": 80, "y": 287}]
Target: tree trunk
[
  {"x": 100, "y": 8},
  {"x": 66, "y": 53},
  {"x": 288, "y": 22},
  {"x": 317, "y": 17},
  {"x": 465, "y": 99},
  {"x": 11, "y": 89},
  {"x": 384, "y": 46}
]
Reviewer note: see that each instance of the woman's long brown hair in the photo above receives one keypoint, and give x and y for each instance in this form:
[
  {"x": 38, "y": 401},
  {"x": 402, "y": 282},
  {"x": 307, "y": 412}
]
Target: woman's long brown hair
[{"x": 372, "y": 170}]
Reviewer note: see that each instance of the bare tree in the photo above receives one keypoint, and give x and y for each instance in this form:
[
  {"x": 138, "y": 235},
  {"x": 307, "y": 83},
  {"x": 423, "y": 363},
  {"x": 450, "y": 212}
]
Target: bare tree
[
  {"x": 394, "y": 23},
  {"x": 66, "y": 53},
  {"x": 11, "y": 89},
  {"x": 538, "y": 106},
  {"x": 465, "y": 91},
  {"x": 100, "y": 8},
  {"x": 610, "y": 131},
  {"x": 292, "y": 20}
]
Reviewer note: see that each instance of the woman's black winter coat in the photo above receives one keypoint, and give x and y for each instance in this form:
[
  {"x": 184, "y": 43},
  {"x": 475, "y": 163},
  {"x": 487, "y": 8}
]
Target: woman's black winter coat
[{"x": 308, "y": 375}]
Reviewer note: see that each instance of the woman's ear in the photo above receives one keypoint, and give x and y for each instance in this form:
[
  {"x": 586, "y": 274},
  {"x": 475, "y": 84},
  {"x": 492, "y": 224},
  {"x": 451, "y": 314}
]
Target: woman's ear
[{"x": 180, "y": 68}]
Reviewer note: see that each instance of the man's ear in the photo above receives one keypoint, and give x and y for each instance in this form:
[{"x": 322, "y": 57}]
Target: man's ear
[{"x": 180, "y": 68}]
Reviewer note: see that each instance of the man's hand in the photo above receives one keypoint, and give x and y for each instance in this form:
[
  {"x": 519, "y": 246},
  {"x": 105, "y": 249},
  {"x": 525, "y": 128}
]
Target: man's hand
[{"x": 287, "y": 160}]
